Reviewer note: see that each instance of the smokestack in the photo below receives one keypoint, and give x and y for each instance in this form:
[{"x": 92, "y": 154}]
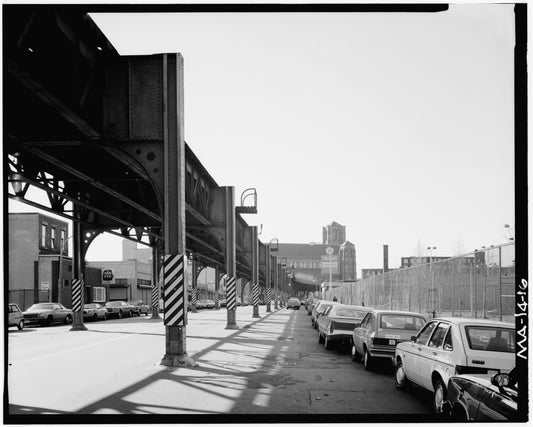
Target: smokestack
[{"x": 385, "y": 258}]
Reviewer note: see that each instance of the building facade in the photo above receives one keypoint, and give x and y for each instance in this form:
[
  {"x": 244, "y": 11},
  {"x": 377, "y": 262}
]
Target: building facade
[
  {"x": 334, "y": 234},
  {"x": 37, "y": 271}
]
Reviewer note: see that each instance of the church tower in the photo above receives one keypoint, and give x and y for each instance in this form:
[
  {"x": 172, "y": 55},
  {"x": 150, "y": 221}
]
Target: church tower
[{"x": 347, "y": 261}]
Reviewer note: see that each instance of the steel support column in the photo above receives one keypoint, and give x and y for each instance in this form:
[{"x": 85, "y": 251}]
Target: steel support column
[
  {"x": 77, "y": 287},
  {"x": 230, "y": 252},
  {"x": 174, "y": 201},
  {"x": 216, "y": 296},
  {"x": 194, "y": 296},
  {"x": 276, "y": 283},
  {"x": 255, "y": 272},
  {"x": 268, "y": 285},
  {"x": 156, "y": 265}
]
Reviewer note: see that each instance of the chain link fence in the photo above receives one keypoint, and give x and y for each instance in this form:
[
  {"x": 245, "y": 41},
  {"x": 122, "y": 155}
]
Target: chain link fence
[{"x": 480, "y": 284}]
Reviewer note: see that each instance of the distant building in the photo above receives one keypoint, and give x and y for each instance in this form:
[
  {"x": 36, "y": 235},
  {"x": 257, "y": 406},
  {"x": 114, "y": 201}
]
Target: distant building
[
  {"x": 334, "y": 234},
  {"x": 34, "y": 262},
  {"x": 125, "y": 280},
  {"x": 311, "y": 265},
  {"x": 131, "y": 251}
]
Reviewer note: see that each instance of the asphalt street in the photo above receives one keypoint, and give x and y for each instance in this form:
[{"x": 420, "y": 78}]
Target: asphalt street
[{"x": 267, "y": 369}]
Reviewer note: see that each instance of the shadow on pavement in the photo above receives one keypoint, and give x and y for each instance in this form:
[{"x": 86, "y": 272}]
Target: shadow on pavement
[{"x": 238, "y": 387}]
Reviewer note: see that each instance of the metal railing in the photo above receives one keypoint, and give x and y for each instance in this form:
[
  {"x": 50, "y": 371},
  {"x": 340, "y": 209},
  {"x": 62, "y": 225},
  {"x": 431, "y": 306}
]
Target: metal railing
[{"x": 480, "y": 284}]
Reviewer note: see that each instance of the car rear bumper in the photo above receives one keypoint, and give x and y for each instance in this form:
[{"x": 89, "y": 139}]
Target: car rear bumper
[
  {"x": 340, "y": 336},
  {"x": 383, "y": 352}
]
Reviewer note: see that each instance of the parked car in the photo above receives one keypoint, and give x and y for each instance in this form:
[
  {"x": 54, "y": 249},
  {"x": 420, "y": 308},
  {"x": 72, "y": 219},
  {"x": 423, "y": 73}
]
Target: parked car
[
  {"x": 454, "y": 345},
  {"x": 293, "y": 303},
  {"x": 46, "y": 313},
  {"x": 222, "y": 302},
  {"x": 336, "y": 323},
  {"x": 140, "y": 307},
  {"x": 119, "y": 309},
  {"x": 16, "y": 317},
  {"x": 472, "y": 398},
  {"x": 94, "y": 312},
  {"x": 209, "y": 303},
  {"x": 320, "y": 307},
  {"x": 380, "y": 331}
]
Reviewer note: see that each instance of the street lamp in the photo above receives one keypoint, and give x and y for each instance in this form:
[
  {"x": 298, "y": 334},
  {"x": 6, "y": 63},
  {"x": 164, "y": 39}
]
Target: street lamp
[{"x": 431, "y": 249}]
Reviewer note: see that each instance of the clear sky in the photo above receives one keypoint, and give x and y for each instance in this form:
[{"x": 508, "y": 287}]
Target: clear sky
[{"x": 398, "y": 126}]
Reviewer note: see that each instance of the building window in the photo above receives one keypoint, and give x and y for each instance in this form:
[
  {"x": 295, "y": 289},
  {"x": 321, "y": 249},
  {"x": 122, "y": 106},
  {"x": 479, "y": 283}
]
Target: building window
[
  {"x": 53, "y": 237},
  {"x": 44, "y": 232},
  {"x": 143, "y": 282},
  {"x": 121, "y": 281},
  {"x": 63, "y": 236},
  {"x": 99, "y": 294}
]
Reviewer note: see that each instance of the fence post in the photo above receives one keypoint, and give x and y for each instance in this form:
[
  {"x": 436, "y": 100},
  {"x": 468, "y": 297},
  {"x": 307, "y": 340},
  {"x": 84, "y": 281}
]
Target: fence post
[
  {"x": 453, "y": 288},
  {"x": 500, "y": 282}
]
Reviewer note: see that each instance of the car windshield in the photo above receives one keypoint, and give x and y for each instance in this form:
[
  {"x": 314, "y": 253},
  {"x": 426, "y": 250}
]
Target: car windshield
[
  {"x": 401, "y": 321},
  {"x": 35, "y": 307},
  {"x": 90, "y": 306},
  {"x": 349, "y": 312},
  {"x": 323, "y": 307},
  {"x": 113, "y": 304},
  {"x": 491, "y": 338}
]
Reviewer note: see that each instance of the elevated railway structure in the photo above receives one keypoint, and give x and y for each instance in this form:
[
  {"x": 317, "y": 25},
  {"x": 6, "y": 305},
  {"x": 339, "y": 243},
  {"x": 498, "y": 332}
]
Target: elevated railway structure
[{"x": 102, "y": 136}]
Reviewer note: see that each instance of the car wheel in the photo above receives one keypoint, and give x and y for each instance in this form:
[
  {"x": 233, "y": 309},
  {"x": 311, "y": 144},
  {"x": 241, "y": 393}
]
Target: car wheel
[
  {"x": 439, "y": 396},
  {"x": 120, "y": 314},
  {"x": 49, "y": 320},
  {"x": 328, "y": 345},
  {"x": 400, "y": 377},
  {"x": 20, "y": 325},
  {"x": 356, "y": 357},
  {"x": 367, "y": 360},
  {"x": 320, "y": 339}
]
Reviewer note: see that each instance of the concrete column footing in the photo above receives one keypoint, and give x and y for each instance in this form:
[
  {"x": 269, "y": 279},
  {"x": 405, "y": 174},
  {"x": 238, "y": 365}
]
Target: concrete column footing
[{"x": 178, "y": 361}]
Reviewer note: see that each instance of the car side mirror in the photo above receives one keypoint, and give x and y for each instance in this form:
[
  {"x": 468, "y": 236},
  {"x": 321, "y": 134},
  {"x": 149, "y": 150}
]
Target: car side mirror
[
  {"x": 500, "y": 380},
  {"x": 413, "y": 338}
]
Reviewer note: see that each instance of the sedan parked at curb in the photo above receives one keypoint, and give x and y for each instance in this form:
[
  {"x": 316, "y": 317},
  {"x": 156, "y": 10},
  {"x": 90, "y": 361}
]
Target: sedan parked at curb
[
  {"x": 335, "y": 325},
  {"x": 47, "y": 313},
  {"x": 16, "y": 317},
  {"x": 140, "y": 307},
  {"x": 380, "y": 331},
  {"x": 293, "y": 303},
  {"x": 94, "y": 312},
  {"x": 319, "y": 308},
  {"x": 119, "y": 309},
  {"x": 454, "y": 345},
  {"x": 472, "y": 398}
]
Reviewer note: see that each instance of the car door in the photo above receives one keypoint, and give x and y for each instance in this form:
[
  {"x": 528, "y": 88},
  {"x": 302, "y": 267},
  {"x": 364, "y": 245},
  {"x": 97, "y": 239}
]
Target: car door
[
  {"x": 366, "y": 332},
  {"x": 358, "y": 334},
  {"x": 434, "y": 357},
  {"x": 413, "y": 357},
  {"x": 59, "y": 312}
]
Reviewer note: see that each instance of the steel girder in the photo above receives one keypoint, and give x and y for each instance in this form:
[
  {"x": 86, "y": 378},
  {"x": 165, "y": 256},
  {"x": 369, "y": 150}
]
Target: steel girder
[{"x": 84, "y": 125}]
